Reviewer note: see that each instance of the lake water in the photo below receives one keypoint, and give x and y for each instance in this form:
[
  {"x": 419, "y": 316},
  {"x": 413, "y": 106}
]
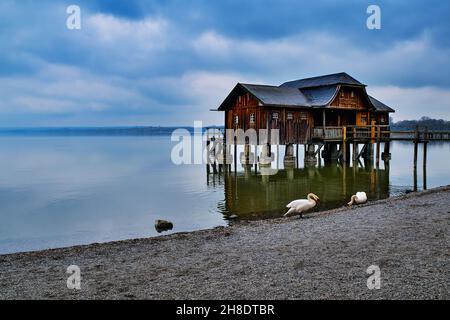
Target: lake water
[{"x": 64, "y": 191}]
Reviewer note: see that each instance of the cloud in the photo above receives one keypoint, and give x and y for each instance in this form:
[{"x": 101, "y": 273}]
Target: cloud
[
  {"x": 307, "y": 54},
  {"x": 65, "y": 89},
  {"x": 147, "y": 33},
  {"x": 163, "y": 63},
  {"x": 413, "y": 103}
]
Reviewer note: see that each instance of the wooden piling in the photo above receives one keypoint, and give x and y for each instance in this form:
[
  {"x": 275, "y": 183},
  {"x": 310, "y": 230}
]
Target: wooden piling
[
  {"x": 424, "y": 178},
  {"x": 235, "y": 154},
  {"x": 255, "y": 158},
  {"x": 355, "y": 151},
  {"x": 224, "y": 148},
  {"x": 213, "y": 139},
  {"x": 344, "y": 145},
  {"x": 378, "y": 148},
  {"x": 416, "y": 146},
  {"x": 425, "y": 143}
]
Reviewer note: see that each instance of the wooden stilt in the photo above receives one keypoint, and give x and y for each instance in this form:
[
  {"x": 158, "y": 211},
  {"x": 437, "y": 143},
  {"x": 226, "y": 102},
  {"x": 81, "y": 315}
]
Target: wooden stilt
[
  {"x": 425, "y": 177},
  {"x": 415, "y": 153},
  {"x": 378, "y": 155},
  {"x": 235, "y": 154},
  {"x": 255, "y": 159},
  {"x": 415, "y": 178},
  {"x": 355, "y": 151},
  {"x": 425, "y": 143},
  {"x": 344, "y": 145}
]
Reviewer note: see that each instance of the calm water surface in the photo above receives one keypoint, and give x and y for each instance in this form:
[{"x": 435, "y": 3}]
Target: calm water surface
[{"x": 63, "y": 191}]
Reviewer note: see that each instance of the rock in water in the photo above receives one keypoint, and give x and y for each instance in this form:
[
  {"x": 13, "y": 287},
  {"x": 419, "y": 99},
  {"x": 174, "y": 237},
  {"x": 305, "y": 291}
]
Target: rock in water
[{"x": 163, "y": 225}]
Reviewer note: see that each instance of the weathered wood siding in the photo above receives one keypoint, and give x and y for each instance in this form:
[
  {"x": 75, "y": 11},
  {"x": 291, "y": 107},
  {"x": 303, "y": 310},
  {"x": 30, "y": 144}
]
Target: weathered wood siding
[
  {"x": 350, "y": 98},
  {"x": 294, "y": 123},
  {"x": 242, "y": 112}
]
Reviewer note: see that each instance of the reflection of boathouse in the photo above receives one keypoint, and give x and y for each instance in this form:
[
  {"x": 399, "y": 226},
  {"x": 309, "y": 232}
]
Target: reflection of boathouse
[{"x": 253, "y": 195}]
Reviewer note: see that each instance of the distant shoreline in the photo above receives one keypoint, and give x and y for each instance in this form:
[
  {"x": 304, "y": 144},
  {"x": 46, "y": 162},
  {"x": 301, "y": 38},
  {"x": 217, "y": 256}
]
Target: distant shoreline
[{"x": 94, "y": 131}]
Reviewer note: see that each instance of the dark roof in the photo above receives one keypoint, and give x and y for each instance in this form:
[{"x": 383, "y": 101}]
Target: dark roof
[
  {"x": 311, "y": 92},
  {"x": 320, "y": 96},
  {"x": 271, "y": 95},
  {"x": 380, "y": 106},
  {"x": 327, "y": 80}
]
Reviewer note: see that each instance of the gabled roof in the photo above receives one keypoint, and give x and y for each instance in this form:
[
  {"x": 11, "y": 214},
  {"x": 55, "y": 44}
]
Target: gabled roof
[
  {"x": 380, "y": 106},
  {"x": 269, "y": 95},
  {"x": 327, "y": 80},
  {"x": 308, "y": 93}
]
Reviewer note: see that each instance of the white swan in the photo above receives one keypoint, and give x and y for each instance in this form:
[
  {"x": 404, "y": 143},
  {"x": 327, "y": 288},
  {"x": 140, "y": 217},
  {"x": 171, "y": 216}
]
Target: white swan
[
  {"x": 302, "y": 205},
  {"x": 358, "y": 198}
]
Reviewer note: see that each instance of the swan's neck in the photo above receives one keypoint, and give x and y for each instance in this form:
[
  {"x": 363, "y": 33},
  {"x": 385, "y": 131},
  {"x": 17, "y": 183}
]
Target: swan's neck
[{"x": 310, "y": 199}]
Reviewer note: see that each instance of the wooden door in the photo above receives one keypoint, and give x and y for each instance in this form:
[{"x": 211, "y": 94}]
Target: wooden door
[{"x": 303, "y": 128}]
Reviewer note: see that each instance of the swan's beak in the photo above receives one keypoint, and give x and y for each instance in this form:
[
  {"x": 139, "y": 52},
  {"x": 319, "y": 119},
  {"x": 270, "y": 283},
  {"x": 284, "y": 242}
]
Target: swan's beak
[{"x": 317, "y": 200}]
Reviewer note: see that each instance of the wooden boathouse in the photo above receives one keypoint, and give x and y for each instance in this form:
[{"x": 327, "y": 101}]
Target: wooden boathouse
[{"x": 328, "y": 111}]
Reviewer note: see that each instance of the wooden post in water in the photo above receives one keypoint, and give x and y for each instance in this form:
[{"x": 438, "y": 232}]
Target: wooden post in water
[
  {"x": 255, "y": 158},
  {"x": 224, "y": 149},
  {"x": 235, "y": 154},
  {"x": 378, "y": 147},
  {"x": 425, "y": 144},
  {"x": 208, "y": 142},
  {"x": 344, "y": 145},
  {"x": 416, "y": 145},
  {"x": 355, "y": 146},
  {"x": 415, "y": 179},
  {"x": 213, "y": 139}
]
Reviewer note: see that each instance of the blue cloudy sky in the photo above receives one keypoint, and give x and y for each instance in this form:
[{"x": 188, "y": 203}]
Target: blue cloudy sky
[{"x": 169, "y": 62}]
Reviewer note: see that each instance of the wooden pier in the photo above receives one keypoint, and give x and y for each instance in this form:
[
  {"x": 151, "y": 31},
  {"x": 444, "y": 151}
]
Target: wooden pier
[{"x": 335, "y": 142}]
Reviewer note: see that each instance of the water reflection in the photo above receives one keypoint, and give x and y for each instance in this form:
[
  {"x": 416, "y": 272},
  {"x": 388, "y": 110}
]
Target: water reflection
[
  {"x": 60, "y": 191},
  {"x": 252, "y": 195}
]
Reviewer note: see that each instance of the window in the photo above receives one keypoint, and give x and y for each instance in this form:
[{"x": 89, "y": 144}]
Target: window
[
  {"x": 303, "y": 116},
  {"x": 236, "y": 119},
  {"x": 363, "y": 119},
  {"x": 352, "y": 94},
  {"x": 252, "y": 118},
  {"x": 290, "y": 116},
  {"x": 275, "y": 116},
  {"x": 342, "y": 94},
  {"x": 382, "y": 119}
]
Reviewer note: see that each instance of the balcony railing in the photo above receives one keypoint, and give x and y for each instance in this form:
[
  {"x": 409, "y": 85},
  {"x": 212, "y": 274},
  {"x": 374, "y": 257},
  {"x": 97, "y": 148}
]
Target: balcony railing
[
  {"x": 351, "y": 132},
  {"x": 327, "y": 133}
]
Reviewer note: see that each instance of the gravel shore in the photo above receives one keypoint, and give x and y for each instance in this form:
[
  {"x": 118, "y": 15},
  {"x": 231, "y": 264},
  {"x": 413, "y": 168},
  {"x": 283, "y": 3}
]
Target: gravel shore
[{"x": 323, "y": 256}]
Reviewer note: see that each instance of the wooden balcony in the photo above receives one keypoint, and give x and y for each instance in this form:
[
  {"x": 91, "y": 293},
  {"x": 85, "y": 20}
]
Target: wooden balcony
[
  {"x": 353, "y": 133},
  {"x": 327, "y": 133},
  {"x": 375, "y": 133}
]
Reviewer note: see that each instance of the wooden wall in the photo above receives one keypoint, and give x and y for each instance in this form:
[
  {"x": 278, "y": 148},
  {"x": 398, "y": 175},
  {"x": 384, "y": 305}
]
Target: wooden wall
[
  {"x": 350, "y": 98},
  {"x": 294, "y": 123}
]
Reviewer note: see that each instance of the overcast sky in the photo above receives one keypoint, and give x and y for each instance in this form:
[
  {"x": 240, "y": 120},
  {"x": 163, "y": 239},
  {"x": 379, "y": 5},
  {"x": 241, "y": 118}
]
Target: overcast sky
[{"x": 169, "y": 62}]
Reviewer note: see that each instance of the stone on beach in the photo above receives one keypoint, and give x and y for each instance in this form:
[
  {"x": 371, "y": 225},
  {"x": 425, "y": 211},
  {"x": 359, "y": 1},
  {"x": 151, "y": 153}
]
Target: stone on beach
[{"x": 163, "y": 225}]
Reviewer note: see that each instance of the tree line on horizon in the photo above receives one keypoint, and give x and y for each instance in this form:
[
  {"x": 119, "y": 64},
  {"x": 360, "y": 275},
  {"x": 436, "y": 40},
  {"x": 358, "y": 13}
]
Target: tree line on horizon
[{"x": 431, "y": 124}]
